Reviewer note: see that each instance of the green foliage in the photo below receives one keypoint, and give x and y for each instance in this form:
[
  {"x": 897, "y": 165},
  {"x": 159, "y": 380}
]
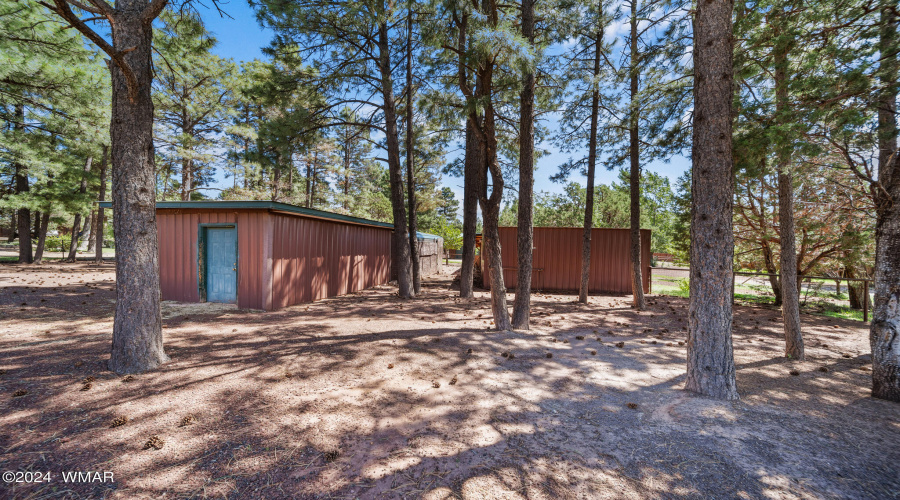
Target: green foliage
[
  {"x": 452, "y": 233},
  {"x": 611, "y": 208},
  {"x": 448, "y": 207},
  {"x": 54, "y": 111},
  {"x": 822, "y": 130},
  {"x": 192, "y": 91},
  {"x": 57, "y": 243},
  {"x": 681, "y": 221}
]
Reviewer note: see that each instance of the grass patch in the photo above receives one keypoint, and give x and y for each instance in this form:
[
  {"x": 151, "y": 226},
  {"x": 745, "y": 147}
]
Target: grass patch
[{"x": 817, "y": 308}]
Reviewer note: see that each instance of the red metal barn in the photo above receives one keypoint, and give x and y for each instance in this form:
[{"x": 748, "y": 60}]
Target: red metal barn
[
  {"x": 266, "y": 255},
  {"x": 557, "y": 259}
]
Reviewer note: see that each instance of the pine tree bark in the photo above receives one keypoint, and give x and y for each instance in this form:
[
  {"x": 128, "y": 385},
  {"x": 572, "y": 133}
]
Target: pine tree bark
[
  {"x": 76, "y": 226},
  {"x": 884, "y": 334},
  {"x": 472, "y": 158},
  {"x": 790, "y": 294},
  {"x": 42, "y": 237},
  {"x": 92, "y": 229},
  {"x": 308, "y": 184},
  {"x": 490, "y": 203},
  {"x": 490, "y": 209},
  {"x": 710, "y": 356},
  {"x": 857, "y": 295},
  {"x": 410, "y": 167},
  {"x": 187, "y": 178},
  {"x": 315, "y": 180},
  {"x": 772, "y": 270},
  {"x": 525, "y": 229},
  {"x": 395, "y": 169},
  {"x": 21, "y": 174},
  {"x": 637, "y": 285},
  {"x": 591, "y": 172},
  {"x": 137, "y": 344},
  {"x": 101, "y": 223},
  {"x": 137, "y": 330}
]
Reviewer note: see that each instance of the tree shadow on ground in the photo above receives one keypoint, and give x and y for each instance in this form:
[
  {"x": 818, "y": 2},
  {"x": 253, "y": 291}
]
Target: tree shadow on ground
[{"x": 358, "y": 397}]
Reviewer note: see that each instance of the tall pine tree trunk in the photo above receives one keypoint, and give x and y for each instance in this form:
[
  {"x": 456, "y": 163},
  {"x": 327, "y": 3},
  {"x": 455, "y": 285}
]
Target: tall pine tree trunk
[
  {"x": 592, "y": 165},
  {"x": 76, "y": 226},
  {"x": 525, "y": 230},
  {"x": 410, "y": 167},
  {"x": 137, "y": 344},
  {"x": 21, "y": 173},
  {"x": 137, "y": 330},
  {"x": 473, "y": 157},
  {"x": 401, "y": 245},
  {"x": 885, "y": 331},
  {"x": 92, "y": 229},
  {"x": 710, "y": 355},
  {"x": 772, "y": 270},
  {"x": 308, "y": 184},
  {"x": 101, "y": 223},
  {"x": 315, "y": 179},
  {"x": 637, "y": 285},
  {"x": 187, "y": 179},
  {"x": 490, "y": 203},
  {"x": 42, "y": 237},
  {"x": 790, "y": 294},
  {"x": 346, "y": 201},
  {"x": 490, "y": 209}
]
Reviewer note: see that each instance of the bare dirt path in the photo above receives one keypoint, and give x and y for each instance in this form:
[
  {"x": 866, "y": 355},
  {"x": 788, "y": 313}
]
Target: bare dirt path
[{"x": 369, "y": 396}]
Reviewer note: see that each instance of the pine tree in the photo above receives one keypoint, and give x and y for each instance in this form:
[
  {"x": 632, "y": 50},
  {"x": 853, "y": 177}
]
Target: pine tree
[
  {"x": 586, "y": 72},
  {"x": 137, "y": 331},
  {"x": 355, "y": 46},
  {"x": 49, "y": 92},
  {"x": 191, "y": 95},
  {"x": 710, "y": 356}
]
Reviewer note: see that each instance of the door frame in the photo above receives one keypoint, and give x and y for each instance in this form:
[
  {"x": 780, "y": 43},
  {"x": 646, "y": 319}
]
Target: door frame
[{"x": 201, "y": 256}]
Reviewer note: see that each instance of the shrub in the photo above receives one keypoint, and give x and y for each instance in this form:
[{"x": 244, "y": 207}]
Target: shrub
[{"x": 57, "y": 243}]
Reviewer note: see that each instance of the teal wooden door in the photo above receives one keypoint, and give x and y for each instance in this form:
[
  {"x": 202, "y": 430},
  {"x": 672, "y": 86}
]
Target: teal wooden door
[{"x": 221, "y": 264}]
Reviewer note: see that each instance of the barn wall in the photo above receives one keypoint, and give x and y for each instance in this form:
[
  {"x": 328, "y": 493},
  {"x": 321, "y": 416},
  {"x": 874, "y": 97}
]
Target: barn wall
[
  {"x": 314, "y": 259},
  {"x": 557, "y": 259},
  {"x": 178, "y": 262}
]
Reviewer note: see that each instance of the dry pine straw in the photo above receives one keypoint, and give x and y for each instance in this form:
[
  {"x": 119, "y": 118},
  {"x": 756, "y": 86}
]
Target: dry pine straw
[{"x": 358, "y": 396}]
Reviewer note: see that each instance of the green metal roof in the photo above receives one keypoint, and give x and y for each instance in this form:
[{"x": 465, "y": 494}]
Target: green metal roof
[
  {"x": 263, "y": 205},
  {"x": 425, "y": 236}
]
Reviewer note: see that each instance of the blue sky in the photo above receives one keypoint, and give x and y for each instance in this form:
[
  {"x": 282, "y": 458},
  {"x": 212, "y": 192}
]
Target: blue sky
[{"x": 242, "y": 39}]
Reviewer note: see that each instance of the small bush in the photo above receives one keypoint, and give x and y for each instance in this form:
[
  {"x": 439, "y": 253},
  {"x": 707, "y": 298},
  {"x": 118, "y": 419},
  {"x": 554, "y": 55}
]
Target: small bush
[{"x": 57, "y": 243}]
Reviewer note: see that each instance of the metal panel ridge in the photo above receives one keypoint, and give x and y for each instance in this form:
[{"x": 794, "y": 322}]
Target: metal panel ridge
[{"x": 263, "y": 205}]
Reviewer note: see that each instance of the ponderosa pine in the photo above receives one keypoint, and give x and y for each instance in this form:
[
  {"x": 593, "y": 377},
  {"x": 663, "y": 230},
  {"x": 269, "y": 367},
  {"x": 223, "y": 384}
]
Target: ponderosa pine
[{"x": 710, "y": 356}]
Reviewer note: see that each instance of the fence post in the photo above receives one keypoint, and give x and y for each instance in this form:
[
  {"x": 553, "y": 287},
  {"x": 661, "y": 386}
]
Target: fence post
[{"x": 866, "y": 301}]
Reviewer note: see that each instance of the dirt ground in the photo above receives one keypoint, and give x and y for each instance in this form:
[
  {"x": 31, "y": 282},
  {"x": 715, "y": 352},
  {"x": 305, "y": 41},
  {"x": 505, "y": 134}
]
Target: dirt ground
[{"x": 370, "y": 396}]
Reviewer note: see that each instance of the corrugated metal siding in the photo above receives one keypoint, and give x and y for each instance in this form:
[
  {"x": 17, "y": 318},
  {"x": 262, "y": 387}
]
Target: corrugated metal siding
[
  {"x": 557, "y": 253},
  {"x": 314, "y": 259},
  {"x": 178, "y": 260}
]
